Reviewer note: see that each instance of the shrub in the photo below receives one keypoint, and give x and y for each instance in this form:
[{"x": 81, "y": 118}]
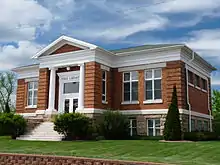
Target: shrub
[
  {"x": 200, "y": 136},
  {"x": 216, "y": 123},
  {"x": 114, "y": 126},
  {"x": 73, "y": 126},
  {"x": 12, "y": 125},
  {"x": 172, "y": 126}
]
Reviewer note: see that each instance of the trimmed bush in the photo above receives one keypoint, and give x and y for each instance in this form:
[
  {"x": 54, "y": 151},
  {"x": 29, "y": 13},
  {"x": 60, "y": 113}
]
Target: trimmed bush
[
  {"x": 114, "y": 126},
  {"x": 12, "y": 125},
  {"x": 73, "y": 126},
  {"x": 172, "y": 126},
  {"x": 200, "y": 136}
]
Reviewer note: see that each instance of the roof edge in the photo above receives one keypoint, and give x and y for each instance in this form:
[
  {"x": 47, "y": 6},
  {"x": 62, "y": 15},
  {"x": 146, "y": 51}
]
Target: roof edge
[
  {"x": 17, "y": 69},
  {"x": 66, "y": 38}
]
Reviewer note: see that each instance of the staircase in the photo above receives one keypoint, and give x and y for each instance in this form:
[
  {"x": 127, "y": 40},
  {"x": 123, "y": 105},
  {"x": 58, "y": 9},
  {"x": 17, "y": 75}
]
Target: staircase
[{"x": 43, "y": 132}]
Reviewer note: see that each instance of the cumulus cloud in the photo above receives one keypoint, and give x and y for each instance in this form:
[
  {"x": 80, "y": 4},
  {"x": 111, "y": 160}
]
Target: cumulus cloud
[
  {"x": 12, "y": 56},
  {"x": 20, "y": 19}
]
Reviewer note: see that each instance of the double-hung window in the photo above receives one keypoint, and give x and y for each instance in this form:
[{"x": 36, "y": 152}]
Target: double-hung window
[
  {"x": 32, "y": 93},
  {"x": 204, "y": 84},
  {"x": 133, "y": 127},
  {"x": 104, "y": 85},
  {"x": 197, "y": 81},
  {"x": 130, "y": 86},
  {"x": 153, "y": 127},
  {"x": 153, "y": 85},
  {"x": 193, "y": 125}
]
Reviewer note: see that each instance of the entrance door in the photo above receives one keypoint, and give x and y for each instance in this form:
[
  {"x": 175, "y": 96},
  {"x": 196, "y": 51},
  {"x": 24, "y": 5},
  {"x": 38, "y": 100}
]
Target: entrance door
[
  {"x": 68, "y": 91},
  {"x": 70, "y": 105}
]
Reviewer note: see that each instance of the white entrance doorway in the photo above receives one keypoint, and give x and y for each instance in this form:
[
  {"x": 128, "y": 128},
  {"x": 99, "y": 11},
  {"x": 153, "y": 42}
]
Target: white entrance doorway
[{"x": 68, "y": 92}]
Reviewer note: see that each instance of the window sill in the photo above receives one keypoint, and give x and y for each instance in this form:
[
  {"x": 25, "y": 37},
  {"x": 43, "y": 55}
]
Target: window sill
[
  {"x": 198, "y": 88},
  {"x": 129, "y": 102},
  {"x": 204, "y": 90},
  {"x": 31, "y": 106},
  {"x": 104, "y": 102},
  {"x": 190, "y": 84},
  {"x": 153, "y": 101}
]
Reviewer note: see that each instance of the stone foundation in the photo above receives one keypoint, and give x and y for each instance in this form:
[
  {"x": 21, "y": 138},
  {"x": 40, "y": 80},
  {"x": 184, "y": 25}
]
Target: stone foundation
[{"x": 142, "y": 122}]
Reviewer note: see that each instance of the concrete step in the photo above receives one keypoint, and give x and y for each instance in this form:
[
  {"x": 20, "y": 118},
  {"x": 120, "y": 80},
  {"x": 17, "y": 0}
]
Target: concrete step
[{"x": 43, "y": 132}]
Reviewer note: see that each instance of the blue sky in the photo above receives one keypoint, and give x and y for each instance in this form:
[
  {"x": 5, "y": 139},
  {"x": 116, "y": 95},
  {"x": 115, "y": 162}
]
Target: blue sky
[{"x": 29, "y": 25}]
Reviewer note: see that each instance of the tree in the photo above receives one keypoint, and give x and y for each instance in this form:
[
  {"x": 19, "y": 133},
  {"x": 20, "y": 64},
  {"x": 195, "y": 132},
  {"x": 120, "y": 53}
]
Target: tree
[
  {"x": 172, "y": 126},
  {"x": 216, "y": 111},
  {"x": 7, "y": 87},
  {"x": 216, "y": 101}
]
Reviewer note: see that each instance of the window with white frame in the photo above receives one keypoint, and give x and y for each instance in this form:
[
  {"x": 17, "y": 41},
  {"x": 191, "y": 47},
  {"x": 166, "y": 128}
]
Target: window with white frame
[
  {"x": 32, "y": 93},
  {"x": 153, "y": 84},
  {"x": 133, "y": 127},
  {"x": 204, "y": 84},
  {"x": 197, "y": 81},
  {"x": 199, "y": 125},
  {"x": 153, "y": 127},
  {"x": 130, "y": 86},
  {"x": 193, "y": 125},
  {"x": 104, "y": 85},
  {"x": 205, "y": 126}
]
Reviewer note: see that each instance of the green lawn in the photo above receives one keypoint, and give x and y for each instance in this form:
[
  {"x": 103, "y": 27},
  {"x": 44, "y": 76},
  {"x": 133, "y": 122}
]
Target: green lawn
[{"x": 197, "y": 153}]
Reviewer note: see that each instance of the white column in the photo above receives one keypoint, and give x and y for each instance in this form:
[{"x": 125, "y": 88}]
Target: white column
[
  {"x": 81, "y": 88},
  {"x": 51, "y": 102}
]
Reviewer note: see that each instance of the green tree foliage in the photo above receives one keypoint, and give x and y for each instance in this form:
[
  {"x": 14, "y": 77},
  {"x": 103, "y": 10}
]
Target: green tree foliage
[
  {"x": 7, "y": 87},
  {"x": 73, "y": 126},
  {"x": 114, "y": 125},
  {"x": 172, "y": 126},
  {"x": 216, "y": 101},
  {"x": 216, "y": 111},
  {"x": 12, "y": 125}
]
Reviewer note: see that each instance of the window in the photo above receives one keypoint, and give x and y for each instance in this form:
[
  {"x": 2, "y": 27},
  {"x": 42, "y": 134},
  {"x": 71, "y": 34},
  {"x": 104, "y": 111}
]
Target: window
[
  {"x": 197, "y": 81},
  {"x": 104, "y": 86},
  {"x": 205, "y": 126},
  {"x": 130, "y": 82},
  {"x": 32, "y": 93},
  {"x": 204, "y": 84},
  {"x": 193, "y": 126},
  {"x": 190, "y": 77},
  {"x": 199, "y": 125},
  {"x": 153, "y": 84},
  {"x": 153, "y": 127},
  {"x": 133, "y": 127},
  {"x": 71, "y": 87}
]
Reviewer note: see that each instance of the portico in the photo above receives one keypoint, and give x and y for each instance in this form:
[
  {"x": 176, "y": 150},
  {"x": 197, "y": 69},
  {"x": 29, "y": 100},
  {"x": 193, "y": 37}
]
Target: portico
[{"x": 71, "y": 90}]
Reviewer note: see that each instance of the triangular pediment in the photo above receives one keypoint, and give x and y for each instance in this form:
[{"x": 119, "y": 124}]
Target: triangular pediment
[
  {"x": 66, "y": 48},
  {"x": 64, "y": 44}
]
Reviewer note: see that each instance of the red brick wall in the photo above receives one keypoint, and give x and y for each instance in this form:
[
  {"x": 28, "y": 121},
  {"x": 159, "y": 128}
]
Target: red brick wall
[
  {"x": 199, "y": 99},
  {"x": 21, "y": 98},
  {"x": 20, "y": 105},
  {"x": 43, "y": 89},
  {"x": 66, "y": 48},
  {"x": 28, "y": 159},
  {"x": 93, "y": 87},
  {"x": 172, "y": 74}
]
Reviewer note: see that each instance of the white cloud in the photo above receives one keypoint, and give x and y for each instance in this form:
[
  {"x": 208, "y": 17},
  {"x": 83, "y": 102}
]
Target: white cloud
[
  {"x": 19, "y": 19},
  {"x": 12, "y": 56},
  {"x": 120, "y": 31},
  {"x": 186, "y": 6}
]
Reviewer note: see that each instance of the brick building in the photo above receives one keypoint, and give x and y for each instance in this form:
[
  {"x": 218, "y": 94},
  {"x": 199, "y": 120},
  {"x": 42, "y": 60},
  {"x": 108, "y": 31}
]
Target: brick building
[{"x": 75, "y": 76}]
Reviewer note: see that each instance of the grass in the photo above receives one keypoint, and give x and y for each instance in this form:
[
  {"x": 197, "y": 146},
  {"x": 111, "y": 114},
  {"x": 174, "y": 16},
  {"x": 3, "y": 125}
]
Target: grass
[{"x": 196, "y": 153}]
